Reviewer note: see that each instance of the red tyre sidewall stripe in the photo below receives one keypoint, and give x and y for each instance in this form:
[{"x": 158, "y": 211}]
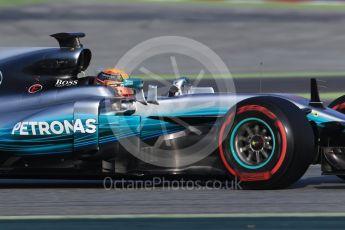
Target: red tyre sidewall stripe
[
  {"x": 282, "y": 131},
  {"x": 220, "y": 144},
  {"x": 339, "y": 106},
  {"x": 257, "y": 108},
  {"x": 254, "y": 176}
]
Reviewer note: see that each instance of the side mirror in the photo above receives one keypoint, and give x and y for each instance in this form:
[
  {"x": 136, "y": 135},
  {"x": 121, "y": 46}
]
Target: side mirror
[
  {"x": 138, "y": 85},
  {"x": 133, "y": 83}
]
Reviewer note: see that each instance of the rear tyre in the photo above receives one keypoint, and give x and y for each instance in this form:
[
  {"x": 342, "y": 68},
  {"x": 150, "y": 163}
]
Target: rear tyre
[
  {"x": 338, "y": 104},
  {"x": 270, "y": 144}
]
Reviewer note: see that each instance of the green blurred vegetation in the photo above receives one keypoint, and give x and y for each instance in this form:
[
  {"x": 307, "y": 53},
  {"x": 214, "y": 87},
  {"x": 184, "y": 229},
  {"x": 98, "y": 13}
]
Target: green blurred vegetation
[
  {"x": 321, "y": 6},
  {"x": 8, "y": 3}
]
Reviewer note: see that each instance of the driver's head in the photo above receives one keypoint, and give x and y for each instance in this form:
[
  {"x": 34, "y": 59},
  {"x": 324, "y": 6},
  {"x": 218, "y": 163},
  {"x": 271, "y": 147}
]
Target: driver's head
[{"x": 112, "y": 76}]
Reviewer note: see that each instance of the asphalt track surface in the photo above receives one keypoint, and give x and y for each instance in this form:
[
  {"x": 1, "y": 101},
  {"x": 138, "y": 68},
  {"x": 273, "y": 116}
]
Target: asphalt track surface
[
  {"x": 281, "y": 41},
  {"x": 313, "y": 193}
]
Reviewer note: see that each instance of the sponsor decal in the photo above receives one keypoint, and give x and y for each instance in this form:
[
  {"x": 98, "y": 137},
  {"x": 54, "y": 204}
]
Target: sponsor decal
[
  {"x": 66, "y": 83},
  {"x": 34, "y": 128},
  {"x": 35, "y": 88}
]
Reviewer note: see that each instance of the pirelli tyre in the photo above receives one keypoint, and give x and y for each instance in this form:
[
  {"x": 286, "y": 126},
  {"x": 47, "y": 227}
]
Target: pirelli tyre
[
  {"x": 269, "y": 144},
  {"x": 339, "y": 105}
]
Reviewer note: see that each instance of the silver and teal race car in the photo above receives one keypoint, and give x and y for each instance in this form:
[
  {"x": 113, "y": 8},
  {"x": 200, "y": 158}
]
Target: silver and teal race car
[{"x": 53, "y": 123}]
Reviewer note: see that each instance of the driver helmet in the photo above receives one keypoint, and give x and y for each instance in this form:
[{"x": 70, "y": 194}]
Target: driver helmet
[{"x": 112, "y": 77}]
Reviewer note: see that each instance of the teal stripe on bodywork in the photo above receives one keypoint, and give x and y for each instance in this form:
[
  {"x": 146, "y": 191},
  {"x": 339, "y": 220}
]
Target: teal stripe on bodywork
[
  {"x": 317, "y": 119},
  {"x": 110, "y": 129},
  {"x": 211, "y": 111},
  {"x": 114, "y": 128},
  {"x": 85, "y": 140},
  {"x": 38, "y": 144}
]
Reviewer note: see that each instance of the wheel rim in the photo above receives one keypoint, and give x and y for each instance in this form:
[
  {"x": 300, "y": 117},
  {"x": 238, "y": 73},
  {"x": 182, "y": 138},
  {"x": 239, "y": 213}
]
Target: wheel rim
[{"x": 252, "y": 143}]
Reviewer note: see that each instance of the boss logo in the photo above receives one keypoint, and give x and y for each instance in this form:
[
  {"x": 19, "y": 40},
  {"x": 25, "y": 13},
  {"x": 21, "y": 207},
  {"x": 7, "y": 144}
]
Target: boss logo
[{"x": 65, "y": 83}]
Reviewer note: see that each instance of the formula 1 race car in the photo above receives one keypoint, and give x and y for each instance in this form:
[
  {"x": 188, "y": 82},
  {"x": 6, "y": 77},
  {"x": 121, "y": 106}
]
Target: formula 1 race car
[{"x": 54, "y": 123}]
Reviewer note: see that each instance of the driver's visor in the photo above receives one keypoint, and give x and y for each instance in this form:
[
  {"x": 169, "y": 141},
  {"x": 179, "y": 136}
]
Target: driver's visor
[{"x": 110, "y": 77}]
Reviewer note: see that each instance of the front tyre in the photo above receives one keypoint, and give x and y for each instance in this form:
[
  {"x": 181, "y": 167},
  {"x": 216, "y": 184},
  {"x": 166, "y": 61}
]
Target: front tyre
[{"x": 269, "y": 145}]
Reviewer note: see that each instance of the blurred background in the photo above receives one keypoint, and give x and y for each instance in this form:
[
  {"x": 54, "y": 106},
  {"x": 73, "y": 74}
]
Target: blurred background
[{"x": 282, "y": 43}]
